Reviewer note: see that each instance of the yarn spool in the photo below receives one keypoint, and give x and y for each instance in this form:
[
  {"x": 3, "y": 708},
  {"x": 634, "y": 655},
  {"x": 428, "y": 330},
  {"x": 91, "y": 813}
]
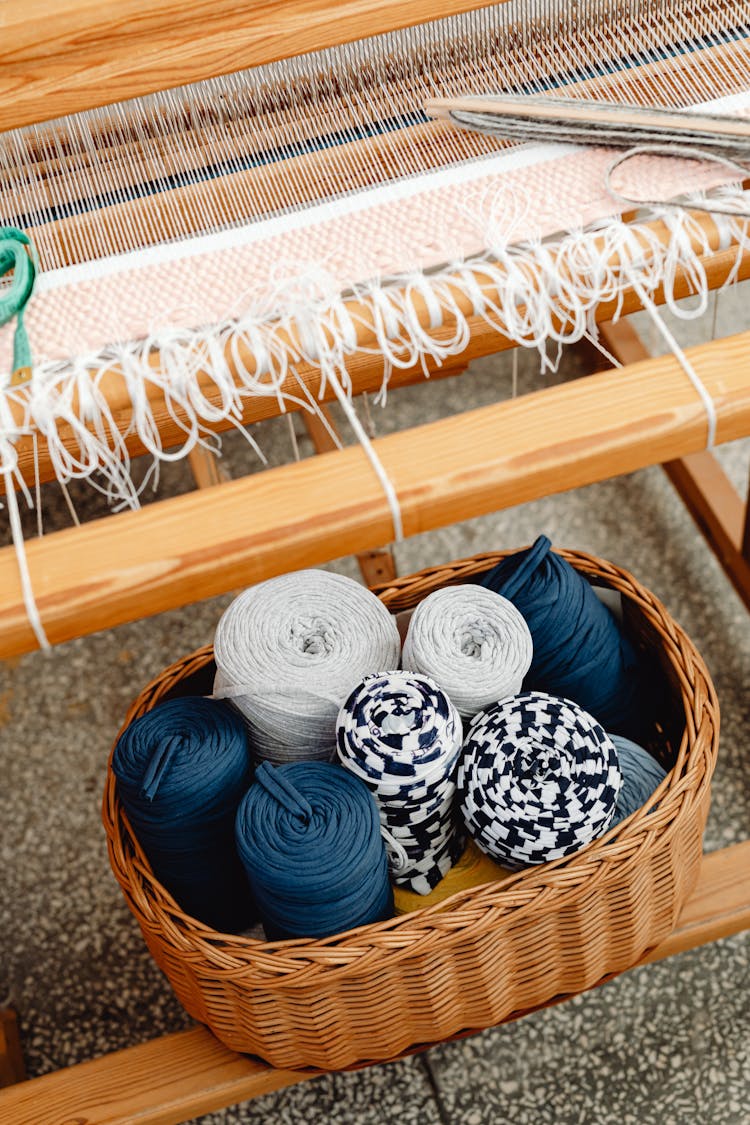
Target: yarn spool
[
  {"x": 289, "y": 651},
  {"x": 580, "y": 651},
  {"x": 475, "y": 645},
  {"x": 182, "y": 770},
  {"x": 401, "y": 735},
  {"x": 308, "y": 835},
  {"x": 538, "y": 779},
  {"x": 641, "y": 776},
  {"x": 473, "y": 869}
]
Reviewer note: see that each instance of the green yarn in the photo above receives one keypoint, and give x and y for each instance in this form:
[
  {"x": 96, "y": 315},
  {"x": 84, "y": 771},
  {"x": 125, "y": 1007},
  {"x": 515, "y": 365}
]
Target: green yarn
[{"x": 17, "y": 254}]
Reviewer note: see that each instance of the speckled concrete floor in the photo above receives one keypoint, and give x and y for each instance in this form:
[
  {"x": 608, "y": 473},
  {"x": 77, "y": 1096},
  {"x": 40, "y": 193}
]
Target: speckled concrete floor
[{"x": 669, "y": 1043}]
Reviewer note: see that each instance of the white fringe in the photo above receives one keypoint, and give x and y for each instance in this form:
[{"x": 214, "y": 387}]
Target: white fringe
[{"x": 531, "y": 293}]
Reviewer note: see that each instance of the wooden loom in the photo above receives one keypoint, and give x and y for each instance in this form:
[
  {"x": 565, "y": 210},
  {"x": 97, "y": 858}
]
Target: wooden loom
[{"x": 143, "y": 562}]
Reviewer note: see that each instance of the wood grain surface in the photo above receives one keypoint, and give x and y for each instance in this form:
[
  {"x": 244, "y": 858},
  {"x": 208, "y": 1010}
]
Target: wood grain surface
[
  {"x": 170, "y": 554},
  {"x": 61, "y": 56}
]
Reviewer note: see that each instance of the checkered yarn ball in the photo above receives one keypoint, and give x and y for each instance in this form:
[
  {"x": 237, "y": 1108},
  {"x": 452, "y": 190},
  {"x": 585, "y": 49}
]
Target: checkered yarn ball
[
  {"x": 538, "y": 779},
  {"x": 402, "y": 736}
]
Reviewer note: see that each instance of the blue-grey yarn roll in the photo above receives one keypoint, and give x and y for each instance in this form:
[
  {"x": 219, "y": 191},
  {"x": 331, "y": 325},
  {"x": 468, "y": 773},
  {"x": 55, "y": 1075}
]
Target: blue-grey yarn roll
[
  {"x": 474, "y": 644},
  {"x": 641, "y": 776},
  {"x": 537, "y": 780},
  {"x": 308, "y": 835},
  {"x": 182, "y": 770},
  {"x": 401, "y": 735},
  {"x": 580, "y": 651},
  {"x": 289, "y": 651}
]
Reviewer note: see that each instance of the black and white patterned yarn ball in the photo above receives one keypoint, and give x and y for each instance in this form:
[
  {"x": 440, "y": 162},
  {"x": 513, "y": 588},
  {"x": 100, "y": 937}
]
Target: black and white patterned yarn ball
[
  {"x": 538, "y": 779},
  {"x": 402, "y": 736}
]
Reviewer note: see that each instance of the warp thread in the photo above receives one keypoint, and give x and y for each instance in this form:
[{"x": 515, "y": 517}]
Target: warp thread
[
  {"x": 473, "y": 869},
  {"x": 308, "y": 835},
  {"x": 289, "y": 651},
  {"x": 475, "y": 645},
  {"x": 401, "y": 735},
  {"x": 182, "y": 770},
  {"x": 538, "y": 779},
  {"x": 641, "y": 776},
  {"x": 580, "y": 651}
]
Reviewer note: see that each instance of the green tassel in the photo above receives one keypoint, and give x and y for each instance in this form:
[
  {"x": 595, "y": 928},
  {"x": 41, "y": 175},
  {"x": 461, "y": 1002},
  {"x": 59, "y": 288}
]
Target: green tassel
[{"x": 17, "y": 255}]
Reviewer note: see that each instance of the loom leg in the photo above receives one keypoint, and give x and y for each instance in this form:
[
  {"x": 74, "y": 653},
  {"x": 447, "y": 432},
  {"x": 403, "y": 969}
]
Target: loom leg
[
  {"x": 712, "y": 500},
  {"x": 12, "y": 1068},
  {"x": 206, "y": 467},
  {"x": 376, "y": 566}
]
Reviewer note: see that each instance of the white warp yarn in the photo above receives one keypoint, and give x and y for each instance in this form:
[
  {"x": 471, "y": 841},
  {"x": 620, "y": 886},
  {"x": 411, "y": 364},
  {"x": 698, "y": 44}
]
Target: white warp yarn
[
  {"x": 474, "y": 643},
  {"x": 290, "y": 650}
]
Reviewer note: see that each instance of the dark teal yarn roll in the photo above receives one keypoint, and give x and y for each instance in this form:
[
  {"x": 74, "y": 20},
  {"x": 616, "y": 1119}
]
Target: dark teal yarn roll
[
  {"x": 308, "y": 834},
  {"x": 580, "y": 651},
  {"x": 641, "y": 776},
  {"x": 182, "y": 770}
]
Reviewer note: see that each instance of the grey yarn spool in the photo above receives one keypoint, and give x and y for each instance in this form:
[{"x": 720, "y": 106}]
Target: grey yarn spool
[
  {"x": 290, "y": 650},
  {"x": 473, "y": 643}
]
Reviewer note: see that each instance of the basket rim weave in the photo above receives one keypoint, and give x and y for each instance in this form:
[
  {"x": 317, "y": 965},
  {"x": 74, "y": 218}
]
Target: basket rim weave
[{"x": 469, "y": 912}]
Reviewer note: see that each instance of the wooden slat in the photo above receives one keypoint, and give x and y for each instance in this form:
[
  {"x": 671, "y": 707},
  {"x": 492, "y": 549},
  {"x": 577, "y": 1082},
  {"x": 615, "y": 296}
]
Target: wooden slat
[
  {"x": 364, "y": 368},
  {"x": 12, "y": 1067},
  {"x": 163, "y": 1082},
  {"x": 206, "y": 467},
  {"x": 61, "y": 56},
  {"x": 375, "y": 566},
  {"x": 179, "y": 1076},
  {"x": 706, "y": 490},
  {"x": 169, "y": 554}
]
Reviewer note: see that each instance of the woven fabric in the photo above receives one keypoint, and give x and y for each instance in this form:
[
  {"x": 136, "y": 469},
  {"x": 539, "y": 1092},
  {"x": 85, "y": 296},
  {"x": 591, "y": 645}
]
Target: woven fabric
[
  {"x": 82, "y": 315},
  {"x": 538, "y": 779},
  {"x": 401, "y": 735}
]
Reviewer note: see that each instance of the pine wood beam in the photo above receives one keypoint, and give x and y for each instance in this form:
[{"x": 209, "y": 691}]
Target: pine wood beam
[
  {"x": 722, "y": 515},
  {"x": 191, "y": 547}
]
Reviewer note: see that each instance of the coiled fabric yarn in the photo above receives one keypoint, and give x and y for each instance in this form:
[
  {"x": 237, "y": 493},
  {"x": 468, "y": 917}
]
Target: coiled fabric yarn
[{"x": 288, "y": 653}]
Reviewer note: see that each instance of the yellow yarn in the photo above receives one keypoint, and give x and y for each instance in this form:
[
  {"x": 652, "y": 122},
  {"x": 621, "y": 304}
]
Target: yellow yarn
[{"x": 472, "y": 869}]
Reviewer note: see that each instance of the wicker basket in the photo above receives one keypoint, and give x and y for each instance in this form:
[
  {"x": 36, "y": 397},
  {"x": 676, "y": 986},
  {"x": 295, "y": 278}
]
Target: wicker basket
[{"x": 485, "y": 954}]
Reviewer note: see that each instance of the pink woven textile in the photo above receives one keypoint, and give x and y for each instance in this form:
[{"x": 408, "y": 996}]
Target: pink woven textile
[{"x": 273, "y": 268}]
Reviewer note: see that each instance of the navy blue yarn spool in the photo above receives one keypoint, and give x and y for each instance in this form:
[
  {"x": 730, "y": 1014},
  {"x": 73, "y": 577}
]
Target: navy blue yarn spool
[
  {"x": 182, "y": 770},
  {"x": 308, "y": 834},
  {"x": 580, "y": 651},
  {"x": 641, "y": 775}
]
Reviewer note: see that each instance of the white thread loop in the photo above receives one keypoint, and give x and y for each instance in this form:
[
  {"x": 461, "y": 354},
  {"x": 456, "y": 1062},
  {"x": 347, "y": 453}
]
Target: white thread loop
[
  {"x": 364, "y": 440},
  {"x": 679, "y": 152},
  {"x": 16, "y": 530},
  {"x": 684, "y": 362}
]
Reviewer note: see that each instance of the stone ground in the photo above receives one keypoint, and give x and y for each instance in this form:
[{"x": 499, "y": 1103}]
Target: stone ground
[{"x": 668, "y": 1043}]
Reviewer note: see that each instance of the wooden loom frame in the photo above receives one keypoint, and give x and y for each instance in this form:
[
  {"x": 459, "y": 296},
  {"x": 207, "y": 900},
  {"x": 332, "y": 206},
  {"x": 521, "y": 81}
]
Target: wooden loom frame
[{"x": 553, "y": 440}]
